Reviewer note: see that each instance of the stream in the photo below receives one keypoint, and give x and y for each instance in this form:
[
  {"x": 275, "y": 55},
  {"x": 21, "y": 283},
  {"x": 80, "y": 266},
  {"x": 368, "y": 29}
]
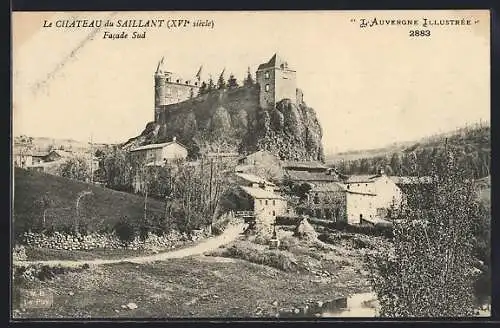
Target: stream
[{"x": 361, "y": 305}]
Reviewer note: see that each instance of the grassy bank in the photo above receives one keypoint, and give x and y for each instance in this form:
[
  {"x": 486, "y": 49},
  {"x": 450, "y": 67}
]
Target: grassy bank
[{"x": 100, "y": 210}]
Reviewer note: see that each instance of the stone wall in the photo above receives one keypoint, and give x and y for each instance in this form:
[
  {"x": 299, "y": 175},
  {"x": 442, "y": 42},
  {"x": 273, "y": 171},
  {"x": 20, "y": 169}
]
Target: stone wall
[{"x": 62, "y": 241}]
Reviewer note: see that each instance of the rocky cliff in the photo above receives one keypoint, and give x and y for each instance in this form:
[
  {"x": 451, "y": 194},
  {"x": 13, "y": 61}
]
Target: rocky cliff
[{"x": 232, "y": 120}]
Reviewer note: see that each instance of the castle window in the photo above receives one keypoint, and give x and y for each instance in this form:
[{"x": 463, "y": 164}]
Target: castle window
[
  {"x": 196, "y": 83},
  {"x": 178, "y": 80},
  {"x": 168, "y": 79},
  {"x": 266, "y": 75},
  {"x": 267, "y": 88}
]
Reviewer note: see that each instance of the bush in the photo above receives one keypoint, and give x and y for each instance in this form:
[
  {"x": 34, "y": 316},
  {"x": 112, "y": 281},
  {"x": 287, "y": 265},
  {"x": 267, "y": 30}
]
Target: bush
[
  {"x": 125, "y": 231},
  {"x": 246, "y": 251}
]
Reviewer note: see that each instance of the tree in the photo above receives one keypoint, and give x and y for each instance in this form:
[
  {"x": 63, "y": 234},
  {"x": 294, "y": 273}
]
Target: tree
[
  {"x": 210, "y": 85},
  {"x": 117, "y": 169},
  {"x": 203, "y": 88},
  {"x": 232, "y": 82},
  {"x": 75, "y": 168},
  {"x": 44, "y": 203},
  {"x": 396, "y": 164},
  {"x": 25, "y": 145},
  {"x": 428, "y": 272},
  {"x": 249, "y": 79},
  {"x": 221, "y": 82},
  {"x": 196, "y": 193}
]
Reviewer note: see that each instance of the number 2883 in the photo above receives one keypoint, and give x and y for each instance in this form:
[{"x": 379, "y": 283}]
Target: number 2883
[{"x": 417, "y": 33}]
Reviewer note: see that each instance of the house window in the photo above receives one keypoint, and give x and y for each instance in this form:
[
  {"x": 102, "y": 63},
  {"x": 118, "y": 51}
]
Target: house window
[
  {"x": 266, "y": 75},
  {"x": 266, "y": 201},
  {"x": 274, "y": 203},
  {"x": 267, "y": 88},
  {"x": 274, "y": 213}
]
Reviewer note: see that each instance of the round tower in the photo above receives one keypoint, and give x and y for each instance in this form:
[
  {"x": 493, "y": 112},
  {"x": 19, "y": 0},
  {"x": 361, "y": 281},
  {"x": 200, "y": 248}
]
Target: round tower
[{"x": 160, "y": 88}]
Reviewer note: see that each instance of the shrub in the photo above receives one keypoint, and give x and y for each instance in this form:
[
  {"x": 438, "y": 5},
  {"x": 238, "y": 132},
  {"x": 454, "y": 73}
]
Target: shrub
[
  {"x": 125, "y": 231},
  {"x": 246, "y": 251}
]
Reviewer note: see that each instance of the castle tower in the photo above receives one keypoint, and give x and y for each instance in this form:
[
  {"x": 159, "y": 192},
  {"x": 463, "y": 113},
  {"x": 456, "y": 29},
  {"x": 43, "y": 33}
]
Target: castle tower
[
  {"x": 171, "y": 88},
  {"x": 277, "y": 82}
]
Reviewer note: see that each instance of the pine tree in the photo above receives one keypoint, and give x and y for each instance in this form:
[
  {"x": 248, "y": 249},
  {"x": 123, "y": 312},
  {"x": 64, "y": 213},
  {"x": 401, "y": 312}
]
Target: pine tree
[
  {"x": 203, "y": 88},
  {"x": 221, "y": 83},
  {"x": 211, "y": 84},
  {"x": 249, "y": 79},
  {"x": 232, "y": 83}
]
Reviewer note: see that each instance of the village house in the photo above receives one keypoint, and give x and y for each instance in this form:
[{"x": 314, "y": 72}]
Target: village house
[
  {"x": 304, "y": 166},
  {"x": 159, "y": 154},
  {"x": 261, "y": 157},
  {"x": 56, "y": 154},
  {"x": 265, "y": 204},
  {"x": 370, "y": 197},
  {"x": 22, "y": 158},
  {"x": 325, "y": 177},
  {"x": 325, "y": 201},
  {"x": 251, "y": 180}
]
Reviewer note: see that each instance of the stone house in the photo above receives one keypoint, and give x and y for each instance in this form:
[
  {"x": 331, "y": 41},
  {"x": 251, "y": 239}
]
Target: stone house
[
  {"x": 265, "y": 204},
  {"x": 251, "y": 180},
  {"x": 369, "y": 197},
  {"x": 159, "y": 154},
  {"x": 325, "y": 201}
]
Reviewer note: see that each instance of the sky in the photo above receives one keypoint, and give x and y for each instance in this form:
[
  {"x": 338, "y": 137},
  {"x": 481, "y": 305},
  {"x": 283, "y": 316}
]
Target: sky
[{"x": 369, "y": 86}]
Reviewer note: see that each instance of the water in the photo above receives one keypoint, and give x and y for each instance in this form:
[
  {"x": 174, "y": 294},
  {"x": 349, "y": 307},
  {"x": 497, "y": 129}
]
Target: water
[
  {"x": 357, "y": 305},
  {"x": 361, "y": 305}
]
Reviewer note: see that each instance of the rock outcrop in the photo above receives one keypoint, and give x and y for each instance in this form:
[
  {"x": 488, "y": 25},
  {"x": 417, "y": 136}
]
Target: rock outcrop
[{"x": 232, "y": 120}]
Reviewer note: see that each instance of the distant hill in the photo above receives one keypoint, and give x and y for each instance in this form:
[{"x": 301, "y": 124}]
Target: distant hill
[
  {"x": 44, "y": 144},
  {"x": 471, "y": 145},
  {"x": 400, "y": 147},
  {"x": 101, "y": 210}
]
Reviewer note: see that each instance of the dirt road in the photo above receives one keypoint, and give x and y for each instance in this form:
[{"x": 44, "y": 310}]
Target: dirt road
[{"x": 230, "y": 234}]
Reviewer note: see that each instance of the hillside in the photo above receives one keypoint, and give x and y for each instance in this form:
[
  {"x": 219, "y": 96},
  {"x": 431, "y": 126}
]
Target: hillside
[
  {"x": 44, "y": 144},
  {"x": 471, "y": 145},
  {"x": 232, "y": 120},
  {"x": 400, "y": 147},
  {"x": 100, "y": 210}
]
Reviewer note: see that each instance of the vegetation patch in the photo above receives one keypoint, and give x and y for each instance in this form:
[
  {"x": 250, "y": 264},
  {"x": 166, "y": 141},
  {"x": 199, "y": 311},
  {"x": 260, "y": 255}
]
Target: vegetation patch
[{"x": 250, "y": 252}]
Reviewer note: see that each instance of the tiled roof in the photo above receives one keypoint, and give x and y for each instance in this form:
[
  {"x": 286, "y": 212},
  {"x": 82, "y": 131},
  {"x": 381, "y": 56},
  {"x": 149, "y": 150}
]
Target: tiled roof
[
  {"x": 155, "y": 146},
  {"x": 328, "y": 187},
  {"x": 411, "y": 180},
  {"x": 361, "y": 178},
  {"x": 253, "y": 178},
  {"x": 304, "y": 165},
  {"x": 259, "y": 193},
  {"x": 311, "y": 176}
]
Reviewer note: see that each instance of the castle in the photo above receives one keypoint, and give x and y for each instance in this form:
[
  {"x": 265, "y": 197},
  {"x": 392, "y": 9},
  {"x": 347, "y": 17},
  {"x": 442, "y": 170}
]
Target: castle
[
  {"x": 276, "y": 80},
  {"x": 171, "y": 88}
]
